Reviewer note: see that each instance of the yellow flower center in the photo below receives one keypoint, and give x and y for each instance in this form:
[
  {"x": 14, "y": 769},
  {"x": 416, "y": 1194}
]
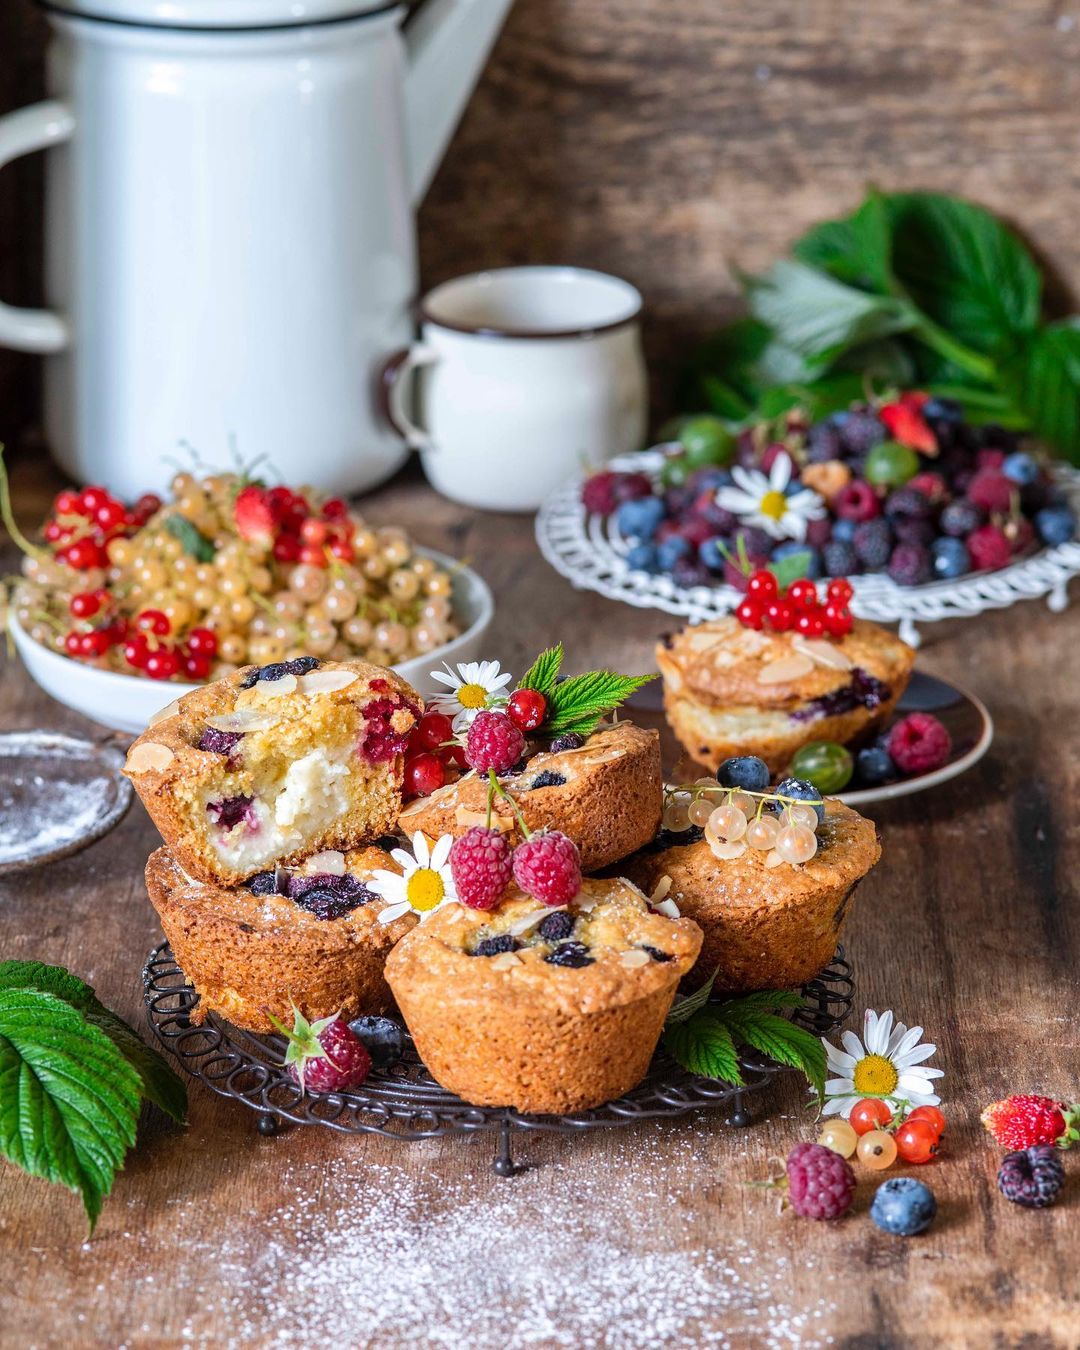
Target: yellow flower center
[
  {"x": 773, "y": 505},
  {"x": 472, "y": 695},
  {"x": 425, "y": 889},
  {"x": 875, "y": 1076}
]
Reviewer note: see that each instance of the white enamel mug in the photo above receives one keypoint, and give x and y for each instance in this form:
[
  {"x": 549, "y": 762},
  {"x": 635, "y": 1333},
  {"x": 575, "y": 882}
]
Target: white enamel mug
[{"x": 521, "y": 376}]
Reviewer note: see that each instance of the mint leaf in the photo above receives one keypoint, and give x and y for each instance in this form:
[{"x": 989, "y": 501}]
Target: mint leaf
[
  {"x": 783, "y": 1041},
  {"x": 577, "y": 704},
  {"x": 69, "y": 1100},
  {"x": 159, "y": 1083},
  {"x": 856, "y": 250},
  {"x": 683, "y": 1008},
  {"x": 1044, "y": 379},
  {"x": 191, "y": 539},
  {"x": 704, "y": 1046},
  {"x": 544, "y": 671}
]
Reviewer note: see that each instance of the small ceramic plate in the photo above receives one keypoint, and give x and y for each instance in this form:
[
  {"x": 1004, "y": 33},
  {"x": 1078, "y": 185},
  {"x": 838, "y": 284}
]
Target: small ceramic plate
[
  {"x": 57, "y": 794},
  {"x": 964, "y": 716}
]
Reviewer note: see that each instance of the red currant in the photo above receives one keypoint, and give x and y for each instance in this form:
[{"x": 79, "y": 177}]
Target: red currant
[
  {"x": 67, "y": 503},
  {"x": 83, "y": 554},
  {"x": 313, "y": 531},
  {"x": 750, "y": 613},
  {"x": 342, "y": 550},
  {"x": 762, "y": 585},
  {"x": 841, "y": 590},
  {"x": 73, "y": 643},
  {"x": 335, "y": 509},
  {"x": 202, "y": 642},
  {"x": 153, "y": 621},
  {"x": 286, "y": 548},
  {"x": 930, "y": 1114},
  {"x": 313, "y": 554},
  {"x": 869, "y": 1114},
  {"x": 110, "y": 515},
  {"x": 810, "y": 623},
  {"x": 162, "y": 664},
  {"x": 838, "y": 619},
  {"x": 54, "y": 532},
  {"x": 917, "y": 1141},
  {"x": 91, "y": 498},
  {"x": 145, "y": 507},
  {"x": 424, "y": 774},
  {"x": 779, "y": 615},
  {"x": 527, "y": 708},
  {"x": 84, "y": 604},
  {"x": 431, "y": 732},
  {"x": 137, "y": 651},
  {"x": 196, "y": 666},
  {"x": 803, "y": 594}
]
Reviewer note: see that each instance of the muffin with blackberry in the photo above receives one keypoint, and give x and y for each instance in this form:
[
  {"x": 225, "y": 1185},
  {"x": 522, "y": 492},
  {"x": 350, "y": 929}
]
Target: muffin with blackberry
[
  {"x": 309, "y": 937},
  {"x": 545, "y": 1009},
  {"x": 276, "y": 762}
]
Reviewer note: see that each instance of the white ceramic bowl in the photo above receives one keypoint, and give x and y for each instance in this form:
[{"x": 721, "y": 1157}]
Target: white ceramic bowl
[{"x": 127, "y": 702}]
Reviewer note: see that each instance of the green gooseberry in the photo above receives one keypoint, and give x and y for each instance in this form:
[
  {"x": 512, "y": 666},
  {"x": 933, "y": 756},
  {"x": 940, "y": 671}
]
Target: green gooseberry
[
  {"x": 890, "y": 464},
  {"x": 826, "y": 764},
  {"x": 675, "y": 471},
  {"x": 707, "y": 441}
]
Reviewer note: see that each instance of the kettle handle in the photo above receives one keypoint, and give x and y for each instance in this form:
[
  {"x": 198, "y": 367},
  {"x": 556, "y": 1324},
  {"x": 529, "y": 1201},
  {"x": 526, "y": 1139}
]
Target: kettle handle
[
  {"x": 34, "y": 128},
  {"x": 394, "y": 385}
]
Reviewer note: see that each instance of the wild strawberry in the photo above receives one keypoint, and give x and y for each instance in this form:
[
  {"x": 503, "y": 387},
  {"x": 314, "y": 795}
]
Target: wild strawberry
[
  {"x": 548, "y": 867},
  {"x": 254, "y": 516},
  {"x": 324, "y": 1056},
  {"x": 481, "y": 864},
  {"x": 1025, "y": 1119},
  {"x": 493, "y": 742},
  {"x": 907, "y": 425}
]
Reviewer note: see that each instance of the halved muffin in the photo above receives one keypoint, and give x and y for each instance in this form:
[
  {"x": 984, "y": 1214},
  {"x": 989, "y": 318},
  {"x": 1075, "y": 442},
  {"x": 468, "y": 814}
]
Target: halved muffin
[
  {"x": 606, "y": 795},
  {"x": 273, "y": 763},
  {"x": 309, "y": 936},
  {"x": 731, "y": 690},
  {"x": 765, "y": 926},
  {"x": 546, "y": 1010}
]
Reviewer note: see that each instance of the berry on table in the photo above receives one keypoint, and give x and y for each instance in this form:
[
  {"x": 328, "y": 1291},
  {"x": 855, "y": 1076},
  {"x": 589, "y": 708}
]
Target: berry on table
[
  {"x": 382, "y": 1038},
  {"x": 929, "y": 1113},
  {"x": 481, "y": 863},
  {"x": 1032, "y": 1177},
  {"x": 821, "y": 1184},
  {"x": 877, "y": 1150},
  {"x": 744, "y": 771},
  {"x": 1025, "y": 1118},
  {"x": 493, "y": 742},
  {"x": 869, "y": 1114},
  {"x": 919, "y": 743},
  {"x": 324, "y": 1056},
  {"x": 917, "y": 1141},
  {"x": 424, "y": 774},
  {"x": 840, "y": 1137},
  {"x": 547, "y": 866},
  {"x": 903, "y": 1206}
]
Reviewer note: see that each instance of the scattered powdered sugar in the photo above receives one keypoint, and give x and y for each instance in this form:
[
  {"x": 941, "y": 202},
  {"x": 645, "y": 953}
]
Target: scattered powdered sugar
[{"x": 40, "y": 814}]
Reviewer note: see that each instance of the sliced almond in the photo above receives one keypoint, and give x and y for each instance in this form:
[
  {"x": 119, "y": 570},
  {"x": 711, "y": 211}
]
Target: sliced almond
[
  {"x": 786, "y": 668},
  {"x": 728, "y": 852},
  {"x": 505, "y": 960},
  {"x": 286, "y": 684},
  {"x": 822, "y": 653},
  {"x": 326, "y": 681},
  {"x": 168, "y": 711},
  {"x": 660, "y": 890},
  {"x": 634, "y": 958},
  {"x": 147, "y": 756},
  {"x": 668, "y": 908},
  {"x": 329, "y": 863},
  {"x": 585, "y": 903},
  {"x": 463, "y": 816},
  {"x": 242, "y": 720},
  {"x": 702, "y": 641},
  {"x": 531, "y": 919}
]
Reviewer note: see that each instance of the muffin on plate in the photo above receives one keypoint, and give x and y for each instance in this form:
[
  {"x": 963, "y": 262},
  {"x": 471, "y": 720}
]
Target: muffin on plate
[
  {"x": 606, "y": 794},
  {"x": 767, "y": 923},
  {"x": 733, "y": 690},
  {"x": 276, "y": 762},
  {"x": 548, "y": 1010},
  {"x": 309, "y": 937}
]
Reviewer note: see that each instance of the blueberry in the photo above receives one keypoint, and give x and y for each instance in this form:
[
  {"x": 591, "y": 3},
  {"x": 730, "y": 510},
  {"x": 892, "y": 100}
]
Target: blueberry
[
  {"x": 548, "y": 778},
  {"x": 903, "y": 1206},
  {"x": 802, "y": 791},
  {"x": 710, "y": 554},
  {"x": 942, "y": 410},
  {"x": 642, "y": 558},
  {"x": 639, "y": 517},
  {"x": 959, "y": 518},
  {"x": 949, "y": 558},
  {"x": 874, "y": 766},
  {"x": 299, "y": 666},
  {"x": 671, "y": 550},
  {"x": 556, "y": 927},
  {"x": 1056, "y": 524},
  {"x": 843, "y": 530},
  {"x": 571, "y": 954},
  {"x": 231, "y": 811},
  {"x": 744, "y": 771},
  {"x": 493, "y": 946},
  {"x": 329, "y": 897},
  {"x": 1020, "y": 467},
  {"x": 658, "y": 955},
  {"x": 793, "y": 548},
  {"x": 823, "y": 442},
  {"x": 569, "y": 741},
  {"x": 839, "y": 557},
  {"x": 383, "y": 1039},
  {"x": 264, "y": 883},
  {"x": 216, "y": 742}
]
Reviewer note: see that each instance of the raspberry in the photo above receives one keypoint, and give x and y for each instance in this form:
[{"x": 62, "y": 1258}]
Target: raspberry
[
  {"x": 1033, "y": 1177},
  {"x": 598, "y": 494},
  {"x": 1025, "y": 1119},
  {"x": 910, "y": 565},
  {"x": 857, "y": 501},
  {"x": 324, "y": 1056},
  {"x": 481, "y": 864},
  {"x": 821, "y": 1184},
  {"x": 919, "y": 744},
  {"x": 548, "y": 867},
  {"x": 932, "y": 486},
  {"x": 991, "y": 490},
  {"x": 629, "y": 485},
  {"x": 988, "y": 547},
  {"x": 493, "y": 742}
]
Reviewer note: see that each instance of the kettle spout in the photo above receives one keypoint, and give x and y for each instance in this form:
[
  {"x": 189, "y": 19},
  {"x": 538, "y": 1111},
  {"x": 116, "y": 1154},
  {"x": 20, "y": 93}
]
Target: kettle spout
[{"x": 447, "y": 43}]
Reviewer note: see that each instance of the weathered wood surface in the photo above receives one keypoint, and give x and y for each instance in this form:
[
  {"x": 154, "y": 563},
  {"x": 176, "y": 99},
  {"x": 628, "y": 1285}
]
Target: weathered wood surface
[{"x": 970, "y": 926}]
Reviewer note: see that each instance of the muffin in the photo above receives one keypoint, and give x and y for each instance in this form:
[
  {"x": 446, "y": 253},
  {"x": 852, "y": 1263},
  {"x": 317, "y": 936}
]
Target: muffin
[
  {"x": 274, "y": 763},
  {"x": 308, "y": 936},
  {"x": 607, "y": 795},
  {"x": 765, "y": 926},
  {"x": 545, "y": 1010},
  {"x": 731, "y": 690}
]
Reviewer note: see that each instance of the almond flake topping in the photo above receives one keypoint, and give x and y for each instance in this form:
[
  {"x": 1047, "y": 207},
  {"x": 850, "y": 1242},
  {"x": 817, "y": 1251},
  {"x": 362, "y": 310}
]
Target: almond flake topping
[
  {"x": 531, "y": 919},
  {"x": 168, "y": 711},
  {"x": 668, "y": 908},
  {"x": 786, "y": 668},
  {"x": 150, "y": 755},
  {"x": 463, "y": 816},
  {"x": 660, "y": 890},
  {"x": 505, "y": 961},
  {"x": 634, "y": 958},
  {"x": 243, "y": 719},
  {"x": 330, "y": 862},
  {"x": 823, "y": 653},
  {"x": 326, "y": 681},
  {"x": 275, "y": 688}
]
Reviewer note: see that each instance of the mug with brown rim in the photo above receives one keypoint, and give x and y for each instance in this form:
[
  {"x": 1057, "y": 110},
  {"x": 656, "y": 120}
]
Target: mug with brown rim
[{"x": 520, "y": 378}]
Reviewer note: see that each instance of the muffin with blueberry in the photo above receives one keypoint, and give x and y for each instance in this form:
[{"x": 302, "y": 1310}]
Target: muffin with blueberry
[
  {"x": 308, "y": 937},
  {"x": 276, "y": 762},
  {"x": 545, "y": 1009}
]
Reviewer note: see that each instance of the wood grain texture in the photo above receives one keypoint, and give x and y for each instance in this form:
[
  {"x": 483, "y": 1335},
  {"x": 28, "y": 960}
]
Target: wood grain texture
[{"x": 970, "y": 926}]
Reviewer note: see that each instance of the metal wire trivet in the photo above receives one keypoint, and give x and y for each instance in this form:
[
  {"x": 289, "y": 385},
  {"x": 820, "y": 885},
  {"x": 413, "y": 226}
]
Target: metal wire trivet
[{"x": 405, "y": 1102}]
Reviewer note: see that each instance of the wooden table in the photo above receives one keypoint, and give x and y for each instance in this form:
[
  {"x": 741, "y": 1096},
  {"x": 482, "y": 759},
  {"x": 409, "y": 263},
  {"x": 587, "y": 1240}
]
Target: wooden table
[{"x": 647, "y": 1236}]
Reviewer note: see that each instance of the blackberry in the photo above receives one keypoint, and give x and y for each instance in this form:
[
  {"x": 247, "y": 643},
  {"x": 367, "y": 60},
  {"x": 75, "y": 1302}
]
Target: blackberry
[
  {"x": 960, "y": 518},
  {"x": 823, "y": 443},
  {"x": 493, "y": 946},
  {"x": 942, "y": 410},
  {"x": 907, "y": 502},
  {"x": 300, "y": 666},
  {"x": 216, "y": 742},
  {"x": 570, "y": 740},
  {"x": 839, "y": 558},
  {"x": 861, "y": 432},
  {"x": 1032, "y": 1177},
  {"x": 329, "y": 897},
  {"x": 264, "y": 883},
  {"x": 691, "y": 572},
  {"x": 658, "y": 955},
  {"x": 549, "y": 778},
  {"x": 908, "y": 530},
  {"x": 571, "y": 954},
  {"x": 910, "y": 565},
  {"x": 556, "y": 927},
  {"x": 873, "y": 543}
]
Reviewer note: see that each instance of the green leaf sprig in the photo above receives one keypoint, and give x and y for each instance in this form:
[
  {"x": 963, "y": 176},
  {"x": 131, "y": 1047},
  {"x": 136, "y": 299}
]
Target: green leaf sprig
[
  {"x": 72, "y": 1078},
  {"x": 191, "y": 539},
  {"x": 578, "y": 703}
]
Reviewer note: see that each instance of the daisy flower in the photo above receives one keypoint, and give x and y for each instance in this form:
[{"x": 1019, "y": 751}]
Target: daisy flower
[
  {"x": 425, "y": 883},
  {"x": 764, "y": 502},
  {"x": 476, "y": 686},
  {"x": 886, "y": 1063}
]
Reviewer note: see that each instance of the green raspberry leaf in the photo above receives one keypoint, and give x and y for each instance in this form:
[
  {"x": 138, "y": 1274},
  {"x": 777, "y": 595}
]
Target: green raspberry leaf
[
  {"x": 577, "y": 704},
  {"x": 69, "y": 1100},
  {"x": 544, "y": 671},
  {"x": 703, "y": 1045},
  {"x": 780, "y": 1039},
  {"x": 192, "y": 541},
  {"x": 789, "y": 569},
  {"x": 684, "y": 1008}
]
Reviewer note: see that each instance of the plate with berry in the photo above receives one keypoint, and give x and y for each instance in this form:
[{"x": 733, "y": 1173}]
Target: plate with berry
[{"x": 932, "y": 516}]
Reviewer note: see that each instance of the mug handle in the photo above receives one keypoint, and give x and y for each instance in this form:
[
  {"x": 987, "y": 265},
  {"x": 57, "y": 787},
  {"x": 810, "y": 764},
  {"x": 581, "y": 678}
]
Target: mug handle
[
  {"x": 34, "y": 128},
  {"x": 395, "y": 383}
]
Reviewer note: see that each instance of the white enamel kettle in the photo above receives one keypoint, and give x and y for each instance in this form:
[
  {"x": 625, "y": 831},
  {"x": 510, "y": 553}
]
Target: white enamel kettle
[{"x": 230, "y": 244}]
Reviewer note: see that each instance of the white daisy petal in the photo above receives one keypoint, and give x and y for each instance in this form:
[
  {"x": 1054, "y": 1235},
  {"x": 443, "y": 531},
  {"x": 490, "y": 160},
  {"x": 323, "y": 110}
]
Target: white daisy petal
[
  {"x": 780, "y": 476},
  {"x": 392, "y": 912},
  {"x": 796, "y": 526},
  {"x": 852, "y": 1045},
  {"x": 402, "y": 858},
  {"x": 839, "y": 1087},
  {"x": 878, "y": 1041},
  {"x": 421, "y": 849},
  {"x": 751, "y": 482},
  {"x": 441, "y": 852},
  {"x": 915, "y": 1056},
  {"x": 839, "y": 1059},
  {"x": 902, "y": 1039}
]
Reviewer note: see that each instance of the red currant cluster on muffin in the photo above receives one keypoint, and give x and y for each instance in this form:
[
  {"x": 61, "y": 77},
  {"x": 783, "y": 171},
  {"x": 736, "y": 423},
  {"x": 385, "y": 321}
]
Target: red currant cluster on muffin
[{"x": 798, "y": 608}]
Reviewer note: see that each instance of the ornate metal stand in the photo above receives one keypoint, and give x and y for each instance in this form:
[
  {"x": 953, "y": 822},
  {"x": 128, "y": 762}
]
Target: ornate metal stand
[{"x": 406, "y": 1103}]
